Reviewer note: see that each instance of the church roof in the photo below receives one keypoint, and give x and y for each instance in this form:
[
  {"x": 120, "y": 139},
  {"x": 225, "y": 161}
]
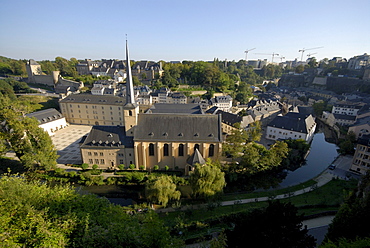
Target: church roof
[
  {"x": 178, "y": 128},
  {"x": 167, "y": 108},
  {"x": 196, "y": 158}
]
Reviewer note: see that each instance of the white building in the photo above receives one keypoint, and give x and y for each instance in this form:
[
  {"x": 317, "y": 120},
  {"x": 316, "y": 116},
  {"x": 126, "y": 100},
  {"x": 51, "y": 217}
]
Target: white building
[
  {"x": 50, "y": 120},
  {"x": 291, "y": 126},
  {"x": 224, "y": 103},
  {"x": 345, "y": 108}
]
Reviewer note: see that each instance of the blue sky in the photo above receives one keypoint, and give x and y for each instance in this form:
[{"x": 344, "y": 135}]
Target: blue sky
[{"x": 183, "y": 30}]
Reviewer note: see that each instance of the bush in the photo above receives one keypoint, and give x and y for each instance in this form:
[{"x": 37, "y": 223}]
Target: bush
[
  {"x": 95, "y": 172},
  {"x": 95, "y": 166},
  {"x": 132, "y": 166},
  {"x": 142, "y": 167},
  {"x": 121, "y": 166},
  {"x": 166, "y": 167},
  {"x": 84, "y": 166},
  {"x": 156, "y": 167}
]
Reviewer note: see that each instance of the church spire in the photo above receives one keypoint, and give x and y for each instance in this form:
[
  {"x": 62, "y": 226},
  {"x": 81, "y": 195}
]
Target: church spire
[{"x": 130, "y": 99}]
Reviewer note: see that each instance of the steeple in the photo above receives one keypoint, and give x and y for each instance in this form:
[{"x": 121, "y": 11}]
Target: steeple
[{"x": 130, "y": 99}]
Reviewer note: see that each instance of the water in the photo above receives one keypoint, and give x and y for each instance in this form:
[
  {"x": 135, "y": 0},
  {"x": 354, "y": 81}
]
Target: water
[{"x": 321, "y": 155}]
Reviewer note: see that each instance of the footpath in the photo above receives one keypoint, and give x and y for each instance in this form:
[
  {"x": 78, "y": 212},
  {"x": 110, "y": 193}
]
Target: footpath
[{"x": 321, "y": 180}]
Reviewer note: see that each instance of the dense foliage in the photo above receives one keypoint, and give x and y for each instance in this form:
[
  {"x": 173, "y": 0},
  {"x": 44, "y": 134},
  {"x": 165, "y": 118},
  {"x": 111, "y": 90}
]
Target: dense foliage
[
  {"x": 32, "y": 145},
  {"x": 207, "y": 180},
  {"x": 36, "y": 215},
  {"x": 277, "y": 225},
  {"x": 161, "y": 190},
  {"x": 352, "y": 220}
]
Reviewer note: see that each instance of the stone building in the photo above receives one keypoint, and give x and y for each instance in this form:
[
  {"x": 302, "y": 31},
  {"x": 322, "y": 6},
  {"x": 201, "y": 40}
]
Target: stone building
[
  {"x": 168, "y": 135},
  {"x": 361, "y": 159}
]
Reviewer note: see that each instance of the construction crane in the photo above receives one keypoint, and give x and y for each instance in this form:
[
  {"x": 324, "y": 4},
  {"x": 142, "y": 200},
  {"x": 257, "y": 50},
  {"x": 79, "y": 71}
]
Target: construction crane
[
  {"x": 303, "y": 50},
  {"x": 246, "y": 53},
  {"x": 281, "y": 59},
  {"x": 309, "y": 55},
  {"x": 272, "y": 54}
]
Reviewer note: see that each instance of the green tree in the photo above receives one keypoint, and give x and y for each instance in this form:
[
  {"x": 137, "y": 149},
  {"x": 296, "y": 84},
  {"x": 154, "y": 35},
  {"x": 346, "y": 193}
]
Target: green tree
[
  {"x": 36, "y": 215},
  {"x": 84, "y": 166},
  {"x": 132, "y": 166},
  {"x": 207, "y": 181},
  {"x": 299, "y": 69},
  {"x": 32, "y": 145},
  {"x": 161, "y": 190},
  {"x": 351, "y": 221},
  {"x": 277, "y": 225},
  {"x": 254, "y": 131}
]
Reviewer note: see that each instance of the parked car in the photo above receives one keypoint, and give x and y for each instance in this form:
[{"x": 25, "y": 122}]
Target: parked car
[{"x": 332, "y": 167}]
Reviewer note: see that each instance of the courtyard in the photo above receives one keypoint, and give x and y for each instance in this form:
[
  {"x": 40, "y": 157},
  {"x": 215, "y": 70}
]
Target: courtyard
[{"x": 66, "y": 141}]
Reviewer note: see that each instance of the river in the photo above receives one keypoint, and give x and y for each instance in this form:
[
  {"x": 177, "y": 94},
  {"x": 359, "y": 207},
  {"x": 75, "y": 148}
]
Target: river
[{"x": 322, "y": 154}]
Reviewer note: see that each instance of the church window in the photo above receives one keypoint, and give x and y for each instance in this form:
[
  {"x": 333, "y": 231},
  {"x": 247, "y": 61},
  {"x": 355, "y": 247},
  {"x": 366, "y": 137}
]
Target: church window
[
  {"x": 130, "y": 113},
  {"x": 211, "y": 151},
  {"x": 151, "y": 149},
  {"x": 181, "y": 150},
  {"x": 165, "y": 150},
  {"x": 196, "y": 147}
]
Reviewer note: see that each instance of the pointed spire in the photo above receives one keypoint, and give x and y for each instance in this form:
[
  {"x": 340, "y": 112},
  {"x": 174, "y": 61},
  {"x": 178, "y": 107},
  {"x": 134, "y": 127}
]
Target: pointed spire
[
  {"x": 130, "y": 99},
  {"x": 196, "y": 158}
]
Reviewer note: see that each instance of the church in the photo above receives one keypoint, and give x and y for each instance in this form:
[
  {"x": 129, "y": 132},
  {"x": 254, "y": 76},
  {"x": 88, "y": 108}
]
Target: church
[{"x": 170, "y": 136}]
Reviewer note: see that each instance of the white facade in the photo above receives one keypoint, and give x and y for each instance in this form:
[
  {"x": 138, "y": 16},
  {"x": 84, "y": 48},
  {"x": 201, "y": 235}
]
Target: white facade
[
  {"x": 53, "y": 126},
  {"x": 274, "y": 133}
]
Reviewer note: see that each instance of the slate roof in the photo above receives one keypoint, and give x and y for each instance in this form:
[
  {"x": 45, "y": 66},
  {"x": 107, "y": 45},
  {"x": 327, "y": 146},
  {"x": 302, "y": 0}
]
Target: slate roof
[
  {"x": 107, "y": 137},
  {"x": 94, "y": 99},
  {"x": 229, "y": 118},
  {"x": 168, "y": 108},
  {"x": 47, "y": 115},
  {"x": 212, "y": 110},
  {"x": 293, "y": 121},
  {"x": 178, "y": 128},
  {"x": 364, "y": 140}
]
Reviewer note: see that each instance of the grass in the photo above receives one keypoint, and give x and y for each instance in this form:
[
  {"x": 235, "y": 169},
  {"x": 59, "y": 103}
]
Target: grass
[
  {"x": 325, "y": 198},
  {"x": 230, "y": 197}
]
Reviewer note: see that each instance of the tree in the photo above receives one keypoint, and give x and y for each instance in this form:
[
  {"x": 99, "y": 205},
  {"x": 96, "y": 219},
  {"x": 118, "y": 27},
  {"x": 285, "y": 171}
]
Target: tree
[
  {"x": 277, "y": 225},
  {"x": 36, "y": 215},
  {"x": 207, "y": 181},
  {"x": 161, "y": 190},
  {"x": 352, "y": 220},
  {"x": 32, "y": 145},
  {"x": 84, "y": 166},
  {"x": 299, "y": 69},
  {"x": 254, "y": 131}
]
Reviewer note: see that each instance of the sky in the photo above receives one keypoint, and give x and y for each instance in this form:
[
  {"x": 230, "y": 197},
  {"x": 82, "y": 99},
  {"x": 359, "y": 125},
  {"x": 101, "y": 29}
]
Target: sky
[{"x": 193, "y": 30}]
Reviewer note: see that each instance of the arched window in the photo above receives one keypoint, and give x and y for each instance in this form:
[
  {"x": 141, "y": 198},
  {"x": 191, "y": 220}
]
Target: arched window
[
  {"x": 151, "y": 149},
  {"x": 181, "y": 150},
  {"x": 196, "y": 147},
  {"x": 130, "y": 113},
  {"x": 211, "y": 151},
  {"x": 165, "y": 150}
]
